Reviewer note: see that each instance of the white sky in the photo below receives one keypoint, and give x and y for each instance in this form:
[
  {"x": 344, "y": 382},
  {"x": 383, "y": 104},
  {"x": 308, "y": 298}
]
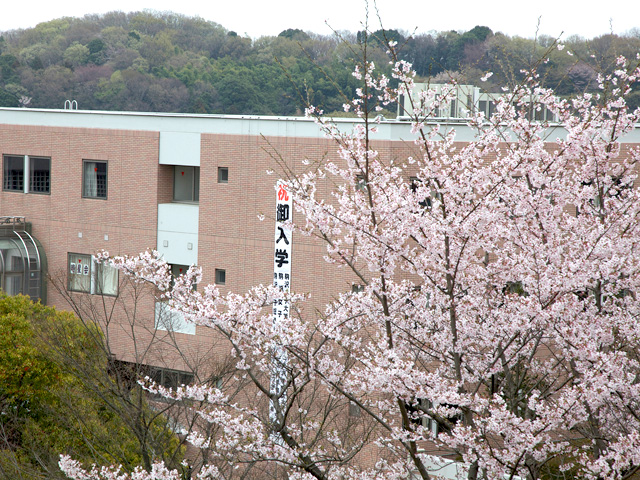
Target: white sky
[{"x": 269, "y": 17}]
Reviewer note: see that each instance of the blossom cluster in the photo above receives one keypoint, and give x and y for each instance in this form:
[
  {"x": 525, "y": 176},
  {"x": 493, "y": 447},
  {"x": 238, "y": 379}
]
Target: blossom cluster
[{"x": 497, "y": 322}]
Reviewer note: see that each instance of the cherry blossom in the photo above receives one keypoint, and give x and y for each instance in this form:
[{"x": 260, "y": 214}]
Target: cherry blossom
[{"x": 497, "y": 323}]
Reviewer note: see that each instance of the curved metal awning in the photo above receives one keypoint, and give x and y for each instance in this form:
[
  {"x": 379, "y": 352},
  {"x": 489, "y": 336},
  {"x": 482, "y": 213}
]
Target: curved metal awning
[{"x": 21, "y": 260}]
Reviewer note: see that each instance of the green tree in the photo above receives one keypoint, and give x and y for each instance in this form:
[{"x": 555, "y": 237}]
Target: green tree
[
  {"x": 8, "y": 68},
  {"x": 97, "y": 52},
  {"x": 76, "y": 54},
  {"x": 166, "y": 45},
  {"x": 294, "y": 34},
  {"x": 49, "y": 400}
]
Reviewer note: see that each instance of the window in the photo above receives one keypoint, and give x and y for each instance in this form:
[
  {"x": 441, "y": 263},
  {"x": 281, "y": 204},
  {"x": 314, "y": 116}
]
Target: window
[
  {"x": 417, "y": 415},
  {"x": 80, "y": 273},
  {"x": 361, "y": 183},
  {"x": 11, "y": 279},
  {"x": 39, "y": 174},
  {"x": 170, "y": 320},
  {"x": 170, "y": 378},
  {"x": 129, "y": 373},
  {"x": 106, "y": 279},
  {"x": 94, "y": 179},
  {"x": 354, "y": 410},
  {"x": 13, "y": 173},
  {"x": 223, "y": 175},
  {"x": 487, "y": 107},
  {"x": 221, "y": 276},
  {"x": 22, "y": 171},
  {"x": 186, "y": 184},
  {"x": 87, "y": 275},
  {"x": 177, "y": 270}
]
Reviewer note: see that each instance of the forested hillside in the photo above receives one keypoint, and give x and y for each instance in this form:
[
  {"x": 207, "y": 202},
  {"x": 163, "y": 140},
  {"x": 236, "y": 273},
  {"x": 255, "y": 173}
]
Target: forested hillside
[{"x": 164, "y": 62}]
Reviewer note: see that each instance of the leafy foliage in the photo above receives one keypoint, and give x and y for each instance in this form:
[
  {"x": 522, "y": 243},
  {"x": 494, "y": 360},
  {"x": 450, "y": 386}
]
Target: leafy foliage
[
  {"x": 47, "y": 404},
  {"x": 203, "y": 58}
]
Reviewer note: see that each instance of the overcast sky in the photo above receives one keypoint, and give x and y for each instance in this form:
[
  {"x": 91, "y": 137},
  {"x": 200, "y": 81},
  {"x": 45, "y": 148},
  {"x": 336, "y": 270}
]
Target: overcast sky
[{"x": 269, "y": 17}]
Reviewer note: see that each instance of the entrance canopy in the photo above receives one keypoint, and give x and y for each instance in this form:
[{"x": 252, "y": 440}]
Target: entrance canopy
[{"x": 21, "y": 260}]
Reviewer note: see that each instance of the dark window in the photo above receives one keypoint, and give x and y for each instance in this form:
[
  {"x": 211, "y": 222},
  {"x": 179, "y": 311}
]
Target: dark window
[
  {"x": 37, "y": 171},
  {"x": 13, "y": 173},
  {"x": 39, "y": 175},
  {"x": 130, "y": 373},
  {"x": 482, "y": 106},
  {"x": 177, "y": 270},
  {"x": 170, "y": 378},
  {"x": 223, "y": 175},
  {"x": 94, "y": 179},
  {"x": 221, "y": 276}
]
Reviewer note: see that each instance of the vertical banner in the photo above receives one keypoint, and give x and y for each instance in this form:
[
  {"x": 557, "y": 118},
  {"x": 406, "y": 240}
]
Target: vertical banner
[
  {"x": 281, "y": 280},
  {"x": 282, "y": 251}
]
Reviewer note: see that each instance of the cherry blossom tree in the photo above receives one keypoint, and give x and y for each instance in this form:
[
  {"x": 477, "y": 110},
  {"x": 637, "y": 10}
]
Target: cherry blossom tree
[{"x": 497, "y": 323}]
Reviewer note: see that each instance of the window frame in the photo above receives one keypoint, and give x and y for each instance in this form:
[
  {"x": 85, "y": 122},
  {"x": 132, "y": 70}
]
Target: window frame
[
  {"x": 195, "y": 184},
  {"x": 98, "y": 283},
  {"x": 71, "y": 270},
  {"x": 166, "y": 377},
  {"x": 223, "y": 174},
  {"x": 166, "y": 374},
  {"x": 131, "y": 372},
  {"x": 95, "y": 275},
  {"x": 220, "y": 273},
  {"x": 168, "y": 320},
  {"x": 85, "y": 161},
  {"x": 178, "y": 269},
  {"x": 5, "y": 188},
  {"x": 31, "y": 188},
  {"x": 27, "y": 180}
]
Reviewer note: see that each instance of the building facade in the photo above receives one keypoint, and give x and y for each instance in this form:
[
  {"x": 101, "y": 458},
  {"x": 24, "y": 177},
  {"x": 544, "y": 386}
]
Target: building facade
[{"x": 193, "y": 187}]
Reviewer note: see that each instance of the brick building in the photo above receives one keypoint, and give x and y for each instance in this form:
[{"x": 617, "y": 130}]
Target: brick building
[{"x": 192, "y": 187}]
